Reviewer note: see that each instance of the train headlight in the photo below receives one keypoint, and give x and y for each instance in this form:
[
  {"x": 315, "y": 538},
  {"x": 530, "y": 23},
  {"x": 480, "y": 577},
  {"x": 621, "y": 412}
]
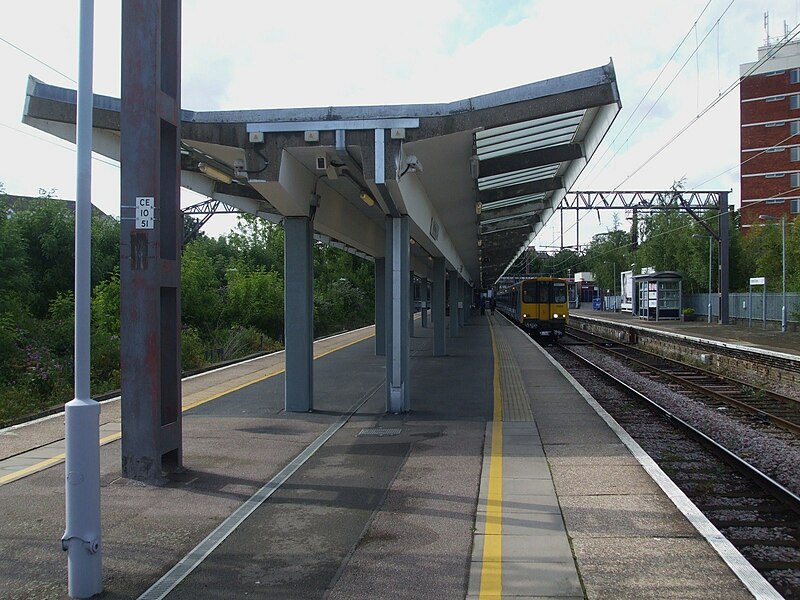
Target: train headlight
[
  {"x": 524, "y": 315},
  {"x": 555, "y": 315}
]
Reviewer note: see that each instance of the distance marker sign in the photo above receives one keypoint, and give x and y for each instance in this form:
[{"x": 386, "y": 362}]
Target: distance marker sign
[{"x": 145, "y": 212}]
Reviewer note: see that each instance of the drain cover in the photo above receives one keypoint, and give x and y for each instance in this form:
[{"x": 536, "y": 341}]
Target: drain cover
[{"x": 379, "y": 431}]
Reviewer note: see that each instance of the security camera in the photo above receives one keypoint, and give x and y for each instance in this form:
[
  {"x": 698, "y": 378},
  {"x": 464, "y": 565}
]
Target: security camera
[{"x": 413, "y": 164}]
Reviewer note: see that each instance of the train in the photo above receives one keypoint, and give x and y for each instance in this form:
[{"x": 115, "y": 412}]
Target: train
[{"x": 539, "y": 305}]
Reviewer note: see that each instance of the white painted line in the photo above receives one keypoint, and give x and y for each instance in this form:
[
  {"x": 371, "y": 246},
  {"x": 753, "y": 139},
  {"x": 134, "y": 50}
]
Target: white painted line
[
  {"x": 752, "y": 579},
  {"x": 198, "y": 554}
]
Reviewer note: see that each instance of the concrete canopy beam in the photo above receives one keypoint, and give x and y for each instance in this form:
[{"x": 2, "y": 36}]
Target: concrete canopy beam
[
  {"x": 409, "y": 193},
  {"x": 335, "y": 216}
]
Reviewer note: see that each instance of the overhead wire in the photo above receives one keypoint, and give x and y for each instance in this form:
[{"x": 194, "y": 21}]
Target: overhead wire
[
  {"x": 790, "y": 36},
  {"x": 693, "y": 28},
  {"x": 647, "y": 93},
  {"x": 41, "y": 62},
  {"x": 36, "y": 137}
]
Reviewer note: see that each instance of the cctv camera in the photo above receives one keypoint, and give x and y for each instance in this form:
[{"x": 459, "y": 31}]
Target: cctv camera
[{"x": 413, "y": 164}]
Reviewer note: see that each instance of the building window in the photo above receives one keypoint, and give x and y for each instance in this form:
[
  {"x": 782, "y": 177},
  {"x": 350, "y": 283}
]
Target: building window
[
  {"x": 774, "y": 175},
  {"x": 774, "y": 149},
  {"x": 794, "y": 180},
  {"x": 796, "y": 205},
  {"x": 795, "y": 127},
  {"x": 777, "y": 99},
  {"x": 794, "y": 101},
  {"x": 773, "y": 73},
  {"x": 794, "y": 76},
  {"x": 775, "y": 200},
  {"x": 794, "y": 153},
  {"x": 776, "y": 124}
]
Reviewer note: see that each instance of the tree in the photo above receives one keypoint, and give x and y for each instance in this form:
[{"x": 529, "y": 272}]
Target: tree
[
  {"x": 258, "y": 242},
  {"x": 609, "y": 254},
  {"x": 202, "y": 287},
  {"x": 48, "y": 233}
]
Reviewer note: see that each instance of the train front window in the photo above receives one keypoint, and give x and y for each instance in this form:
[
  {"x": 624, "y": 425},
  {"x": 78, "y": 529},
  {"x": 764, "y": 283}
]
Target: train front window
[
  {"x": 559, "y": 292},
  {"x": 529, "y": 292},
  {"x": 544, "y": 292}
]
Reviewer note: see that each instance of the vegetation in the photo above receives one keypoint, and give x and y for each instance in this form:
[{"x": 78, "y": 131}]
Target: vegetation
[
  {"x": 667, "y": 243},
  {"x": 231, "y": 297},
  {"x": 232, "y": 288}
]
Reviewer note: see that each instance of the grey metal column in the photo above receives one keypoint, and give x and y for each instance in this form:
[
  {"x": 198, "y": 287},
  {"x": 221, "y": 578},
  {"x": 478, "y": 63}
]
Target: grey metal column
[
  {"x": 411, "y": 304},
  {"x": 462, "y": 302},
  {"x": 437, "y": 307},
  {"x": 454, "y": 299},
  {"x": 150, "y": 349},
  {"x": 299, "y": 314},
  {"x": 424, "y": 301},
  {"x": 380, "y": 307},
  {"x": 724, "y": 258},
  {"x": 397, "y": 308}
]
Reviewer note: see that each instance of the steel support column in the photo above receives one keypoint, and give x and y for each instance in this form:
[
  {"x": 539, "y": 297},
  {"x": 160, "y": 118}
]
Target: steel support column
[
  {"x": 724, "y": 258},
  {"x": 411, "y": 304},
  {"x": 150, "y": 349},
  {"x": 462, "y": 302},
  {"x": 299, "y": 313},
  {"x": 397, "y": 310},
  {"x": 424, "y": 301},
  {"x": 438, "y": 307},
  {"x": 455, "y": 298},
  {"x": 380, "y": 307}
]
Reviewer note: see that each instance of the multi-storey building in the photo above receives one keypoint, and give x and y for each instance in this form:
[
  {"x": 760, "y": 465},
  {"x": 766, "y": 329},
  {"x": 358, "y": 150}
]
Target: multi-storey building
[{"x": 770, "y": 134}]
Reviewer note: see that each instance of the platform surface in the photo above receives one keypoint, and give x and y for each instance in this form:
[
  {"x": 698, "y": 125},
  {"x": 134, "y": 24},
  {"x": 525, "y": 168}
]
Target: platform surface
[
  {"x": 737, "y": 334},
  {"x": 406, "y": 506}
]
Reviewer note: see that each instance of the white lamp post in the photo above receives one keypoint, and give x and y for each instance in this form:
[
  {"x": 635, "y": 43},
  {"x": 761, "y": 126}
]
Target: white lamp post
[{"x": 783, "y": 262}]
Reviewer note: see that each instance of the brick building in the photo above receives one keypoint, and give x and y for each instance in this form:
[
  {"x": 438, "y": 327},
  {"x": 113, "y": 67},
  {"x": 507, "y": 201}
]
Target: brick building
[{"x": 770, "y": 135}]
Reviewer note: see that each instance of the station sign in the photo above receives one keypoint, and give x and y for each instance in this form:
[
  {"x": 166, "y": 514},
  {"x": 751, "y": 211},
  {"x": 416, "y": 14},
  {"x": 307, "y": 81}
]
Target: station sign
[
  {"x": 145, "y": 212},
  {"x": 758, "y": 281}
]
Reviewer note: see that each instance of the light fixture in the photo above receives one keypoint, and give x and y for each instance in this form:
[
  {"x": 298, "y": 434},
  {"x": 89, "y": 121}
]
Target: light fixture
[
  {"x": 366, "y": 198},
  {"x": 214, "y": 173},
  {"x": 412, "y": 241},
  {"x": 478, "y": 208}
]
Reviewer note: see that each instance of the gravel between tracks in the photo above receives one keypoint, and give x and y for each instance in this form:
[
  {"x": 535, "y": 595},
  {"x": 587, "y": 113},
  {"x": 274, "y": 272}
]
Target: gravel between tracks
[{"x": 777, "y": 454}]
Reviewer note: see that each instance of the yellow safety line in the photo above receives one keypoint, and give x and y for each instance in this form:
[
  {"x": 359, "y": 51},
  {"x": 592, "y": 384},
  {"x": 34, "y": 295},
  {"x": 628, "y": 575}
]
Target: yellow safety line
[
  {"x": 47, "y": 463},
  {"x": 492, "y": 566}
]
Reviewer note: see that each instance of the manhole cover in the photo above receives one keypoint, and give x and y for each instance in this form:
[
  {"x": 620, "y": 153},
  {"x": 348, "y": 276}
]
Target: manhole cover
[{"x": 379, "y": 431}]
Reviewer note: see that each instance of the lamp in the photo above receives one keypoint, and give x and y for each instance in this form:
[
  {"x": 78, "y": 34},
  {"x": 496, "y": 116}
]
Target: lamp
[
  {"x": 782, "y": 219},
  {"x": 710, "y": 239},
  {"x": 214, "y": 173},
  {"x": 366, "y": 198}
]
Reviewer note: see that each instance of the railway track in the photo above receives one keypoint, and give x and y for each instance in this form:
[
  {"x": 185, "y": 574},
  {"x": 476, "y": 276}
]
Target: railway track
[
  {"x": 759, "y": 515},
  {"x": 712, "y": 388}
]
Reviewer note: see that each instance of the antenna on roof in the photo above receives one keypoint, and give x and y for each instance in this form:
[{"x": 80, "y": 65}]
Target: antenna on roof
[
  {"x": 785, "y": 29},
  {"x": 766, "y": 27}
]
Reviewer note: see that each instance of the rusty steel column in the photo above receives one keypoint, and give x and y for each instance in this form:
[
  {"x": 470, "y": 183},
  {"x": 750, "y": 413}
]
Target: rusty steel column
[{"x": 150, "y": 238}]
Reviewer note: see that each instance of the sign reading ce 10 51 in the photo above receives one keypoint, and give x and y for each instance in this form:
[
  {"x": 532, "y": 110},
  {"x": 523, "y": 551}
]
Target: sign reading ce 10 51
[{"x": 145, "y": 212}]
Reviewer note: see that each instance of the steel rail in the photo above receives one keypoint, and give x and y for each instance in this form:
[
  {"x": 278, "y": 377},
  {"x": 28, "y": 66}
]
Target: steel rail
[
  {"x": 742, "y": 466},
  {"x": 743, "y": 406}
]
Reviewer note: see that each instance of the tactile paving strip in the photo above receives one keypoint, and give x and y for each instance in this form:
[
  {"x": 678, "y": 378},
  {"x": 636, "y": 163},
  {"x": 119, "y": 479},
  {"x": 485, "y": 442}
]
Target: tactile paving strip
[{"x": 516, "y": 402}]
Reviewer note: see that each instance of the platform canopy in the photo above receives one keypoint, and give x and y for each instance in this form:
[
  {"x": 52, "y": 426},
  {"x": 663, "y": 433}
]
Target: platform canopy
[{"x": 478, "y": 178}]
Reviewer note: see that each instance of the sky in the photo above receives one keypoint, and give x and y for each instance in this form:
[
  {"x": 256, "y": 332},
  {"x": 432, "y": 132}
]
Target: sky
[{"x": 256, "y": 54}]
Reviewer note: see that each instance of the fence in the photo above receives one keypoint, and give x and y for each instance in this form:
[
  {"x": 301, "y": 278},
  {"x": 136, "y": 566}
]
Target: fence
[{"x": 742, "y": 307}]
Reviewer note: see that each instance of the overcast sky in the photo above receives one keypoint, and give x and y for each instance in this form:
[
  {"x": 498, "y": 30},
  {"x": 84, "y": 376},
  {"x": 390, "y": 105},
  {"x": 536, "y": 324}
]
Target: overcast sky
[{"x": 256, "y": 54}]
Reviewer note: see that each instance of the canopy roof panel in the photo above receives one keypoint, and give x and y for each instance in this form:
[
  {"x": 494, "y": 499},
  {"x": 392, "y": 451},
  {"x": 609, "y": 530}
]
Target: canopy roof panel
[{"x": 478, "y": 178}]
